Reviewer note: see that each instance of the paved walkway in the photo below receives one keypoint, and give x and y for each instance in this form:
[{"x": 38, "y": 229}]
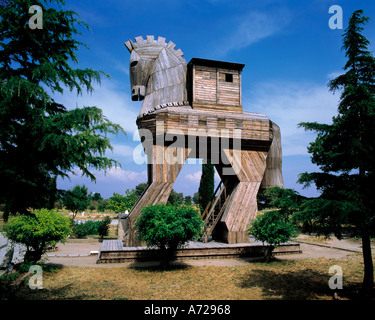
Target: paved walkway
[
  {"x": 78, "y": 254},
  {"x": 83, "y": 253}
]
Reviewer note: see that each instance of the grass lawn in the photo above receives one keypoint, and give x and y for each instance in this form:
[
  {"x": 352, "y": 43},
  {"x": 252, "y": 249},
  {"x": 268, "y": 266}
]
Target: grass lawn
[{"x": 304, "y": 279}]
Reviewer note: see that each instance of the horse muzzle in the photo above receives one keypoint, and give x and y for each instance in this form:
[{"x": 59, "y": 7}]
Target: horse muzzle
[{"x": 138, "y": 93}]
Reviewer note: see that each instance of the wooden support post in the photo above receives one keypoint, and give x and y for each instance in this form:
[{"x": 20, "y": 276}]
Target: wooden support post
[
  {"x": 162, "y": 173},
  {"x": 242, "y": 206}
]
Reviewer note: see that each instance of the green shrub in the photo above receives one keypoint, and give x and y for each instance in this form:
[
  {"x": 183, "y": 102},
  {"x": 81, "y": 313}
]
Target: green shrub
[
  {"x": 103, "y": 227},
  {"x": 6, "y": 281},
  {"x": 24, "y": 267},
  {"x": 81, "y": 230},
  {"x": 38, "y": 231},
  {"x": 273, "y": 228},
  {"x": 168, "y": 227},
  {"x": 91, "y": 227},
  {"x": 77, "y": 199}
]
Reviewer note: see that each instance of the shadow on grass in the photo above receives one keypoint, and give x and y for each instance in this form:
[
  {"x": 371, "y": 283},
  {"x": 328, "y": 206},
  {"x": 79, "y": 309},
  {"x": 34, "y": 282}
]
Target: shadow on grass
[
  {"x": 155, "y": 266},
  {"x": 61, "y": 293},
  {"x": 305, "y": 284},
  {"x": 24, "y": 292},
  {"x": 52, "y": 267}
]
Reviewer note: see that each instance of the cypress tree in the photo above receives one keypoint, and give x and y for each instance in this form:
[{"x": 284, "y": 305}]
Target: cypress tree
[{"x": 207, "y": 184}]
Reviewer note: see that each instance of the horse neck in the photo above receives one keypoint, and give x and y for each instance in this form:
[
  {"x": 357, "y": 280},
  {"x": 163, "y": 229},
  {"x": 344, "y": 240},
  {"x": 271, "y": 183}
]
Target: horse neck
[{"x": 165, "y": 86}]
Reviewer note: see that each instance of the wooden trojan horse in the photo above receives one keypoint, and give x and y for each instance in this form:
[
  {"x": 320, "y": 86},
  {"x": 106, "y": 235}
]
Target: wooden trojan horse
[{"x": 195, "y": 111}]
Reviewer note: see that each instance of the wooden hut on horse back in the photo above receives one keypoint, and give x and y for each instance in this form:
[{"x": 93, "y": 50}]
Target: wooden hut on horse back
[{"x": 195, "y": 110}]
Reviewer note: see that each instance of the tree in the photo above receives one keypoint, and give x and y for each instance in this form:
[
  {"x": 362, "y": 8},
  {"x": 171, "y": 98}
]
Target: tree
[
  {"x": 119, "y": 203},
  {"x": 175, "y": 197},
  {"x": 92, "y": 205},
  {"x": 102, "y": 206},
  {"x": 345, "y": 151},
  {"x": 76, "y": 200},
  {"x": 140, "y": 188},
  {"x": 196, "y": 198},
  {"x": 97, "y": 197},
  {"x": 207, "y": 184},
  {"x": 37, "y": 231},
  {"x": 168, "y": 227},
  {"x": 41, "y": 139},
  {"x": 288, "y": 201},
  {"x": 188, "y": 200}
]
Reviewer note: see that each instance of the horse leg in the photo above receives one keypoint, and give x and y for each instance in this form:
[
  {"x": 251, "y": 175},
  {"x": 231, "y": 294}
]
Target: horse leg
[
  {"x": 166, "y": 164},
  {"x": 242, "y": 205}
]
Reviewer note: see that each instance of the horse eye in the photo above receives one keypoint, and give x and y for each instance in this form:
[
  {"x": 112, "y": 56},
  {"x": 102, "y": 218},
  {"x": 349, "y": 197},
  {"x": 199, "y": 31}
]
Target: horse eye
[{"x": 133, "y": 64}]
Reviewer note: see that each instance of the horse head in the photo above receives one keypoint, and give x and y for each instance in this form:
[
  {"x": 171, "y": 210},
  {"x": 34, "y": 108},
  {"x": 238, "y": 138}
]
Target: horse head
[
  {"x": 157, "y": 74},
  {"x": 138, "y": 78}
]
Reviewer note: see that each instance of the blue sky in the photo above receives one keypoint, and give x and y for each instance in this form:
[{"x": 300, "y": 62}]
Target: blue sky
[{"x": 288, "y": 49}]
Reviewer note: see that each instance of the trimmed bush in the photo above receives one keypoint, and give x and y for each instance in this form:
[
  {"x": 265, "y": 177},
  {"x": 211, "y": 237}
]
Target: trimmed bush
[
  {"x": 273, "y": 228},
  {"x": 168, "y": 227},
  {"x": 38, "y": 231},
  {"x": 81, "y": 230},
  {"x": 103, "y": 227}
]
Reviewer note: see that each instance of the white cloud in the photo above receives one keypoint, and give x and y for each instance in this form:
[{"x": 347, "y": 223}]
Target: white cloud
[
  {"x": 194, "y": 177},
  {"x": 120, "y": 174},
  {"x": 121, "y": 66},
  {"x": 288, "y": 104},
  {"x": 111, "y": 98},
  {"x": 114, "y": 174},
  {"x": 253, "y": 27},
  {"x": 334, "y": 75}
]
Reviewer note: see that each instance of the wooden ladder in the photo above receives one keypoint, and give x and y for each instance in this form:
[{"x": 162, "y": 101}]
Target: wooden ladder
[{"x": 214, "y": 210}]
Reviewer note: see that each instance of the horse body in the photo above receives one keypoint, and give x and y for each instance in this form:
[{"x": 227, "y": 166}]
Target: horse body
[{"x": 158, "y": 76}]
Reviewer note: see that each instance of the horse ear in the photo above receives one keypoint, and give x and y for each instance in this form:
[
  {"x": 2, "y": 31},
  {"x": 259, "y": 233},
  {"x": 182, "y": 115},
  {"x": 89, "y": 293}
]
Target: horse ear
[{"x": 129, "y": 45}]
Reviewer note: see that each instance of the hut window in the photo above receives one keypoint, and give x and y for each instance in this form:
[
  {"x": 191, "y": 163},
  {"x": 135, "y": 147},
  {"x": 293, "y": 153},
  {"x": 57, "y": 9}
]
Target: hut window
[{"x": 228, "y": 77}]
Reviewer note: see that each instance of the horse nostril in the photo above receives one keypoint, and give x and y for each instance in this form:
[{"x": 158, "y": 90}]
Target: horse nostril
[
  {"x": 133, "y": 91},
  {"x": 133, "y": 64}
]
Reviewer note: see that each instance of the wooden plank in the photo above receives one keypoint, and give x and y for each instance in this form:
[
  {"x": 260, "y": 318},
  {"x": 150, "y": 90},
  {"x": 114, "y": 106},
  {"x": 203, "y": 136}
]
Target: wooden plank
[
  {"x": 103, "y": 246},
  {"x": 217, "y": 86},
  {"x": 194, "y": 250},
  {"x": 204, "y": 68}
]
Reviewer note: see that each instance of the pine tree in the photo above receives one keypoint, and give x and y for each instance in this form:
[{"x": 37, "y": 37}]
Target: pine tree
[
  {"x": 41, "y": 139},
  {"x": 345, "y": 151}
]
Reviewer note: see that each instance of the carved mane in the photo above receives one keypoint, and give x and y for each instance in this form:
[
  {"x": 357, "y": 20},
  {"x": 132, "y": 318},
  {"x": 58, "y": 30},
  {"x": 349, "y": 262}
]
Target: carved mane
[{"x": 157, "y": 74}]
